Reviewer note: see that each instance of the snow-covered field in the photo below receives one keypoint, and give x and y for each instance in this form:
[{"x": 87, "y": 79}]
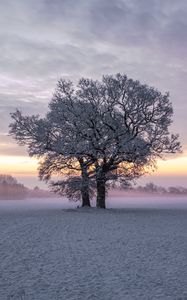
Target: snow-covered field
[{"x": 48, "y": 252}]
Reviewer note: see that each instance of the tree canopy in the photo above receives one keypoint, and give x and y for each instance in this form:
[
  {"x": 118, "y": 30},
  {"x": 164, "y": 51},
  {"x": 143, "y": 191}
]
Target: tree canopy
[{"x": 98, "y": 132}]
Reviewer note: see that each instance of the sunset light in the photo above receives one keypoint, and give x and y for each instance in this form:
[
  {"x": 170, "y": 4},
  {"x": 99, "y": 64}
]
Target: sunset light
[
  {"x": 173, "y": 167},
  {"x": 93, "y": 93},
  {"x": 18, "y": 165}
]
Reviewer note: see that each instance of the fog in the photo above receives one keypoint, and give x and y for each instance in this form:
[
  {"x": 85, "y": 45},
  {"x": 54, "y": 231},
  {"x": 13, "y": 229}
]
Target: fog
[
  {"x": 36, "y": 204},
  {"x": 148, "y": 201},
  {"x": 117, "y": 201}
]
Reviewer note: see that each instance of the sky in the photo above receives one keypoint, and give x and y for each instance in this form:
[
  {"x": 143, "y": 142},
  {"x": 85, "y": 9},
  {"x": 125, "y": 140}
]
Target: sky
[{"x": 43, "y": 40}]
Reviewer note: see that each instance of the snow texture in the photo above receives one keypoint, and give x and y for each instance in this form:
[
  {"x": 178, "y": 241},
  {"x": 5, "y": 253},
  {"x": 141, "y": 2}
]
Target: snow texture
[{"x": 51, "y": 253}]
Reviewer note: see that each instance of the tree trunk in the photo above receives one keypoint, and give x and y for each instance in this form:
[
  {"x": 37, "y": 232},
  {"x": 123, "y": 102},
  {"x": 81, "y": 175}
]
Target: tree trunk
[
  {"x": 85, "y": 197},
  {"x": 101, "y": 193},
  {"x": 85, "y": 187}
]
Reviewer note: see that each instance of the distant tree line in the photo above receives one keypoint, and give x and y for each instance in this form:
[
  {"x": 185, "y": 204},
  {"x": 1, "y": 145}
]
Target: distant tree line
[
  {"x": 11, "y": 189},
  {"x": 155, "y": 189},
  {"x": 37, "y": 192}
]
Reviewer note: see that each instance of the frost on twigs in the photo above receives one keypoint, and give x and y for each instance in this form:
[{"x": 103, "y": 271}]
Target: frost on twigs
[{"x": 102, "y": 131}]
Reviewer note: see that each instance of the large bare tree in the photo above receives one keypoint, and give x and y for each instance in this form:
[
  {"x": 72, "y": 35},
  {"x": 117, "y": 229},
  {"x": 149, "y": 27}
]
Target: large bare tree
[{"x": 114, "y": 129}]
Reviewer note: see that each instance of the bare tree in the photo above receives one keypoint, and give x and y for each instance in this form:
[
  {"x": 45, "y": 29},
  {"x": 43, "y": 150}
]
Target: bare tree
[
  {"x": 129, "y": 128},
  {"x": 110, "y": 130},
  {"x": 57, "y": 140}
]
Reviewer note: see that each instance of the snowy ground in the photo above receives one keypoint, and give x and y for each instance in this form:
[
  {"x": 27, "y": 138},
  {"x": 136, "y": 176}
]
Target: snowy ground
[{"x": 51, "y": 253}]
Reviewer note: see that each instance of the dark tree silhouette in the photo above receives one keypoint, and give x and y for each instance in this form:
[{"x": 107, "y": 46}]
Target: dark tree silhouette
[{"x": 107, "y": 130}]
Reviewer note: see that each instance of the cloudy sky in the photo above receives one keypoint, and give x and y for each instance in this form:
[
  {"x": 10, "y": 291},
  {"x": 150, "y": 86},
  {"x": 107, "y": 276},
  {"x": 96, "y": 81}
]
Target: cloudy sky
[{"x": 43, "y": 40}]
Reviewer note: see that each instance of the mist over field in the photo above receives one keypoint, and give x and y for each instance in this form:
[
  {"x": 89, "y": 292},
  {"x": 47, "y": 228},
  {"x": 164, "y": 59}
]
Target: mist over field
[{"x": 115, "y": 200}]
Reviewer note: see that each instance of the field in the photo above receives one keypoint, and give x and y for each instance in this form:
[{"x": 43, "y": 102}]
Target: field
[{"x": 48, "y": 252}]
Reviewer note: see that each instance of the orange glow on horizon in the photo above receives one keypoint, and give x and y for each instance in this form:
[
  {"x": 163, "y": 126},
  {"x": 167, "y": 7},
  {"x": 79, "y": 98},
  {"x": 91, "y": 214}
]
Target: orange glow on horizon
[
  {"x": 18, "y": 165},
  {"x": 172, "y": 167},
  {"x": 26, "y": 166}
]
